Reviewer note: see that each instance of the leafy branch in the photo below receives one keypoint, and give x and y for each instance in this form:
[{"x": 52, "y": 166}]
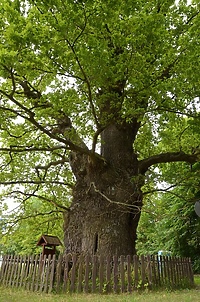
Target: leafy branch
[
  {"x": 38, "y": 196},
  {"x": 19, "y": 149},
  {"x": 12, "y": 223}
]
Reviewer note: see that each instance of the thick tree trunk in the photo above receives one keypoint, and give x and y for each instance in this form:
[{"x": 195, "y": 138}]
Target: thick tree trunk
[{"x": 107, "y": 199}]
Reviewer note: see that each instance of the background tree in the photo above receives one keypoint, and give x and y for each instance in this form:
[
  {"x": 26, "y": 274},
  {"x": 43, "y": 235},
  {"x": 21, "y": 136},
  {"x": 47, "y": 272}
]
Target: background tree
[
  {"x": 22, "y": 228},
  {"x": 88, "y": 92},
  {"x": 169, "y": 223}
]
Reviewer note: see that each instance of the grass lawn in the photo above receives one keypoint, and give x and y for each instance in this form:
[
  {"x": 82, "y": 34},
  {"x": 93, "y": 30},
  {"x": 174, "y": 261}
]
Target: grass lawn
[
  {"x": 186, "y": 295},
  {"x": 17, "y": 295}
]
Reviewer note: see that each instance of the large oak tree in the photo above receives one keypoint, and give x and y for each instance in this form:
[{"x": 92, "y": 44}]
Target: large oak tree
[{"x": 89, "y": 90}]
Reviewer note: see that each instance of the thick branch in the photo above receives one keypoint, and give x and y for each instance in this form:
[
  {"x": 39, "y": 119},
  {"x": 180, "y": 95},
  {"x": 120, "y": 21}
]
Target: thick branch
[
  {"x": 56, "y": 204},
  {"x": 53, "y": 163},
  {"x": 35, "y": 182},
  {"x": 167, "y": 158}
]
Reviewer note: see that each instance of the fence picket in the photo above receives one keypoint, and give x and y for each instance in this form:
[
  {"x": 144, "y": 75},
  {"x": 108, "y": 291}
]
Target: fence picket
[
  {"x": 191, "y": 275},
  {"x": 87, "y": 270},
  {"x": 94, "y": 273},
  {"x": 80, "y": 274},
  {"x": 30, "y": 272},
  {"x": 122, "y": 274},
  {"x": 16, "y": 264},
  {"x": 136, "y": 267},
  {"x": 154, "y": 271},
  {"x": 115, "y": 274},
  {"x": 101, "y": 273},
  {"x": 58, "y": 273},
  {"x": 9, "y": 260},
  {"x": 12, "y": 271},
  {"x": 4, "y": 271},
  {"x": 143, "y": 270},
  {"x": 73, "y": 273},
  {"x": 39, "y": 271},
  {"x": 42, "y": 273},
  {"x": 9, "y": 263},
  {"x": 51, "y": 281},
  {"x": 149, "y": 271},
  {"x": 108, "y": 274},
  {"x": 129, "y": 278},
  {"x": 174, "y": 271},
  {"x": 67, "y": 271},
  {"x": 158, "y": 270},
  {"x": 47, "y": 268},
  {"x": 35, "y": 265},
  {"x": 168, "y": 270}
]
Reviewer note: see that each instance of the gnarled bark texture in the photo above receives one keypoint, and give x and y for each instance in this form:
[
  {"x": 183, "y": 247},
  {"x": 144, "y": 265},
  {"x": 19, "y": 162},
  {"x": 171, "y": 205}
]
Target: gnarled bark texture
[{"x": 107, "y": 198}]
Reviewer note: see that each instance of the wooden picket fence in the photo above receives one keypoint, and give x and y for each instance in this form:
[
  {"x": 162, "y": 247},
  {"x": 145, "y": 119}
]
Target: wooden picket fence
[{"x": 72, "y": 273}]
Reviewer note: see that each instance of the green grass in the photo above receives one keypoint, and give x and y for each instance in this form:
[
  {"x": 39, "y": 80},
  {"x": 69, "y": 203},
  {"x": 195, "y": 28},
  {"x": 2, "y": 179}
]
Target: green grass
[
  {"x": 197, "y": 280},
  {"x": 16, "y": 295},
  {"x": 8, "y": 294}
]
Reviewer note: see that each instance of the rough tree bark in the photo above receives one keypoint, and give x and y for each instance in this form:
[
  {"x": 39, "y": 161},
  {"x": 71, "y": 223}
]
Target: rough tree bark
[{"x": 107, "y": 198}]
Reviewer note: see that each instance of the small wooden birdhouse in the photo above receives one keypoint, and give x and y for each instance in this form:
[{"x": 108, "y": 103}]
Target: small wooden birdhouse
[{"x": 49, "y": 244}]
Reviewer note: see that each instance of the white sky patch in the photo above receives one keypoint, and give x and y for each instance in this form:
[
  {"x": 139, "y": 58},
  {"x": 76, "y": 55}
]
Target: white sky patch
[{"x": 12, "y": 205}]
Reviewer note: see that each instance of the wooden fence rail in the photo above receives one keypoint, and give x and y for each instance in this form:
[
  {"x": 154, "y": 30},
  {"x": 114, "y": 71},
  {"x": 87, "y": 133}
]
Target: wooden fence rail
[{"x": 72, "y": 273}]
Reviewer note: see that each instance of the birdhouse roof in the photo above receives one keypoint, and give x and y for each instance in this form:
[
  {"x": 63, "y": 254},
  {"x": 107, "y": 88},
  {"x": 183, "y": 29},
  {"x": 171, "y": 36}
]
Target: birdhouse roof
[{"x": 49, "y": 240}]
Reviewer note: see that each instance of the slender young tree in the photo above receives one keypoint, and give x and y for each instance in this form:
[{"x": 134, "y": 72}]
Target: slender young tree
[{"x": 88, "y": 90}]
